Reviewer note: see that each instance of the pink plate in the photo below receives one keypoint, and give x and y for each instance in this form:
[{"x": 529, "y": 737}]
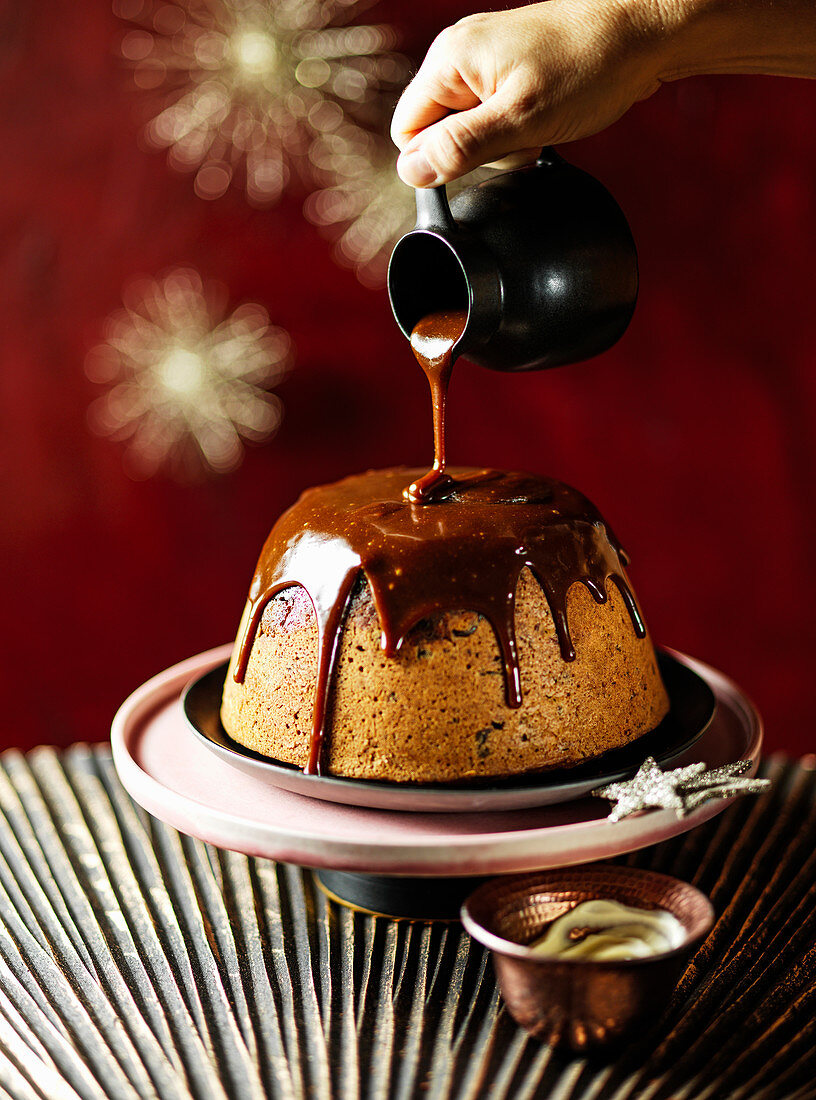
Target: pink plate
[{"x": 171, "y": 774}]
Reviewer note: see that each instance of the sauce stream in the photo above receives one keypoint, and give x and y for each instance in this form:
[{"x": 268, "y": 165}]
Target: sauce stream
[{"x": 432, "y": 342}]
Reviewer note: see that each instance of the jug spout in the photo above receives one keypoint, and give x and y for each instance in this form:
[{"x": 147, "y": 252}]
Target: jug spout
[{"x": 438, "y": 266}]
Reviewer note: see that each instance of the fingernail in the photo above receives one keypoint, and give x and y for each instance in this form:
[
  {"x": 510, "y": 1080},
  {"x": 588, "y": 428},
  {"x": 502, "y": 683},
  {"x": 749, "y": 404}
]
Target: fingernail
[{"x": 414, "y": 169}]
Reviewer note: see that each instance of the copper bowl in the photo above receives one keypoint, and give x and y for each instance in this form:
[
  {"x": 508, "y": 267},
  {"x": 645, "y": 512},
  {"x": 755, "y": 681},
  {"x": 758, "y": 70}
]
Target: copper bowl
[{"x": 582, "y": 1003}]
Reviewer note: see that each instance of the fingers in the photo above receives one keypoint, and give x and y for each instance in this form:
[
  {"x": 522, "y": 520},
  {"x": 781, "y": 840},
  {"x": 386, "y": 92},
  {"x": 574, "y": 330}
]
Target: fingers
[
  {"x": 451, "y": 146},
  {"x": 426, "y": 100},
  {"x": 452, "y": 117}
]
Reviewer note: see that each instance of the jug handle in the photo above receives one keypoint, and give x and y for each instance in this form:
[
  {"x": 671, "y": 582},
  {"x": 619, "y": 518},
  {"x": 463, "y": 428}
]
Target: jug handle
[
  {"x": 433, "y": 211},
  {"x": 548, "y": 158}
]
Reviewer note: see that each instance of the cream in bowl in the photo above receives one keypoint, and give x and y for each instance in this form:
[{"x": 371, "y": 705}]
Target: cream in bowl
[
  {"x": 605, "y": 929},
  {"x": 585, "y": 955}
]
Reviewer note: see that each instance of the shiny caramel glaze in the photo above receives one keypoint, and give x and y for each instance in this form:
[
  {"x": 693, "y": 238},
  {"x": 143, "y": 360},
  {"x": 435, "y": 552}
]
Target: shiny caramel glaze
[{"x": 465, "y": 552}]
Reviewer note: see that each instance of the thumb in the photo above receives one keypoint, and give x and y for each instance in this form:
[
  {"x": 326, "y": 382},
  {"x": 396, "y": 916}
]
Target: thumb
[{"x": 459, "y": 143}]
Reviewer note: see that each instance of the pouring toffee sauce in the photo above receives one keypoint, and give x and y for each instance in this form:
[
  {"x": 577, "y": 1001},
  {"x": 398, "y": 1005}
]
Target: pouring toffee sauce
[
  {"x": 453, "y": 539},
  {"x": 432, "y": 342}
]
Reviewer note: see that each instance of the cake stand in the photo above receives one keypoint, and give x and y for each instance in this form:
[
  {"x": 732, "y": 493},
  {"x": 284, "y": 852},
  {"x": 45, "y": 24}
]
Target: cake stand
[{"x": 402, "y": 864}]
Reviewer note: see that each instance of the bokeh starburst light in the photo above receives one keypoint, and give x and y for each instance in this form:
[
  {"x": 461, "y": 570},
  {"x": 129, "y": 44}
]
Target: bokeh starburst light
[
  {"x": 246, "y": 87},
  {"x": 187, "y": 380}
]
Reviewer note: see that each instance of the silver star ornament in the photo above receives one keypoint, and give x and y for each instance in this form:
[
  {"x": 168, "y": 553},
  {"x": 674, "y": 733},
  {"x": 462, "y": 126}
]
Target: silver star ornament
[{"x": 681, "y": 790}]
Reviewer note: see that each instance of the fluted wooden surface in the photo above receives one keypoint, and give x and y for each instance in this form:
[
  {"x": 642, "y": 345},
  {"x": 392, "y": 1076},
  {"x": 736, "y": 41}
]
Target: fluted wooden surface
[{"x": 136, "y": 962}]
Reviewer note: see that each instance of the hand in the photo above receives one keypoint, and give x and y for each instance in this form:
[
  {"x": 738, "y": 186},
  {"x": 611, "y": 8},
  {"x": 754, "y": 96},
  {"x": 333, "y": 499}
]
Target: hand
[
  {"x": 504, "y": 84},
  {"x": 521, "y": 79}
]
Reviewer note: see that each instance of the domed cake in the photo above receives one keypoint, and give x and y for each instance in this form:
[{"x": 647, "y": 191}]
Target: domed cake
[{"x": 490, "y": 633}]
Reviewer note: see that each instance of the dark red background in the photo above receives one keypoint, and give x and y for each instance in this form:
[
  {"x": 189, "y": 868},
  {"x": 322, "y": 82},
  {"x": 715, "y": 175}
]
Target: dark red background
[{"x": 694, "y": 435}]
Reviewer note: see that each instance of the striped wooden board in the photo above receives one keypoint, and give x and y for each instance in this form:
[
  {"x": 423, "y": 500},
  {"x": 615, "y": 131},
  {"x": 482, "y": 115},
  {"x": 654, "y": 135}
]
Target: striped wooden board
[{"x": 136, "y": 962}]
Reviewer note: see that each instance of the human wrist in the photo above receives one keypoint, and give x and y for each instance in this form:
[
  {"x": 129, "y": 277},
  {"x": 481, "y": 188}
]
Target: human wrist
[
  {"x": 701, "y": 36},
  {"x": 644, "y": 32},
  {"x": 775, "y": 37}
]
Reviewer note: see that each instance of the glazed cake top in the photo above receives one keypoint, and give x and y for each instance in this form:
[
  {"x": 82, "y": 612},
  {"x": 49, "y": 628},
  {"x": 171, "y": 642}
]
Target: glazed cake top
[{"x": 463, "y": 551}]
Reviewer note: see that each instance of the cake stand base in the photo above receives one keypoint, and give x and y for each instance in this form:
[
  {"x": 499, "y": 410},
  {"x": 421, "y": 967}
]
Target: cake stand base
[{"x": 417, "y": 899}]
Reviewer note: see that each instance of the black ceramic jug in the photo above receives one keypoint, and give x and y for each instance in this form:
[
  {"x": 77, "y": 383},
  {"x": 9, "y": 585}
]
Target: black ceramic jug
[{"x": 541, "y": 257}]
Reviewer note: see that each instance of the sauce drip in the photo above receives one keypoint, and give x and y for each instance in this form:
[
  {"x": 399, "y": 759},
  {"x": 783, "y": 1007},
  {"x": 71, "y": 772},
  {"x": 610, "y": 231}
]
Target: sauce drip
[
  {"x": 432, "y": 342},
  {"x": 465, "y": 553}
]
